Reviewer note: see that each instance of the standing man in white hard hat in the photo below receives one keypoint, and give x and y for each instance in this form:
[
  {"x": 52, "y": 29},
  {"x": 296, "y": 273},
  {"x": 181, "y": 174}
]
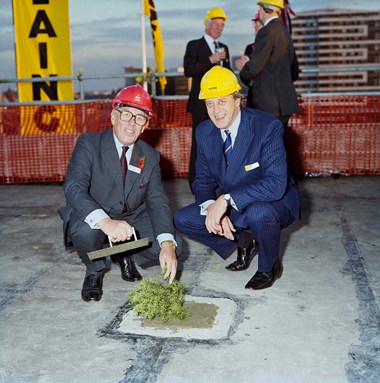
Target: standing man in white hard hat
[
  {"x": 241, "y": 182},
  {"x": 272, "y": 67},
  {"x": 200, "y": 56}
]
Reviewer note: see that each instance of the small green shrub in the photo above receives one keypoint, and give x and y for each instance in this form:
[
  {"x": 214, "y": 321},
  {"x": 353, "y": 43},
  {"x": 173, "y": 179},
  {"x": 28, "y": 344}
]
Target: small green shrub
[{"x": 153, "y": 299}]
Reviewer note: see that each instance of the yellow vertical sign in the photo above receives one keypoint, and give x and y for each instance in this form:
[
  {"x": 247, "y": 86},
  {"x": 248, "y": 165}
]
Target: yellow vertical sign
[
  {"x": 42, "y": 36},
  {"x": 158, "y": 43}
]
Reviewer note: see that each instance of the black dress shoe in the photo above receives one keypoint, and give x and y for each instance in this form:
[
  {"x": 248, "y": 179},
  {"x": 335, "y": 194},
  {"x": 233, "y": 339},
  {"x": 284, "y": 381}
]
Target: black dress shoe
[
  {"x": 264, "y": 280},
  {"x": 128, "y": 269},
  {"x": 244, "y": 257},
  {"x": 92, "y": 287}
]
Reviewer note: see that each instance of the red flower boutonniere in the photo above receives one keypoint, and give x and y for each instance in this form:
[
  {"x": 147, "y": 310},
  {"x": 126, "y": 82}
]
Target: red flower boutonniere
[{"x": 141, "y": 163}]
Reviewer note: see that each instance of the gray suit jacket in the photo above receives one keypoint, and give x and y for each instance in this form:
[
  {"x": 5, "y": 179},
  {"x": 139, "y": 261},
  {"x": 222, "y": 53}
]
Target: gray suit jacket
[
  {"x": 271, "y": 68},
  {"x": 94, "y": 181}
]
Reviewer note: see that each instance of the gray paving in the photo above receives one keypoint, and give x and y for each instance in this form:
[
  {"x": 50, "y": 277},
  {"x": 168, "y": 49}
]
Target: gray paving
[{"x": 319, "y": 323}]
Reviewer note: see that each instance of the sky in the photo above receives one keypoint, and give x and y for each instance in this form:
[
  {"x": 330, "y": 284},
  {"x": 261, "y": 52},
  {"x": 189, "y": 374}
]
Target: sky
[{"x": 106, "y": 34}]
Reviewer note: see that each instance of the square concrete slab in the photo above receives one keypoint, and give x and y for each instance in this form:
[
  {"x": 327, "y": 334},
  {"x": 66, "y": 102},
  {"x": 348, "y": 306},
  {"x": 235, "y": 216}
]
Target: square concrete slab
[{"x": 221, "y": 311}]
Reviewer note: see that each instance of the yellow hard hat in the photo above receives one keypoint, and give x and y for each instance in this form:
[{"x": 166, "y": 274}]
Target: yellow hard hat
[
  {"x": 215, "y": 13},
  {"x": 218, "y": 82},
  {"x": 275, "y": 3}
]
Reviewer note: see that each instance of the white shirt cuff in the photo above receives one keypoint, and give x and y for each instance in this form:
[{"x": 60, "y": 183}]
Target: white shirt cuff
[
  {"x": 94, "y": 217},
  {"x": 166, "y": 237},
  {"x": 205, "y": 205}
]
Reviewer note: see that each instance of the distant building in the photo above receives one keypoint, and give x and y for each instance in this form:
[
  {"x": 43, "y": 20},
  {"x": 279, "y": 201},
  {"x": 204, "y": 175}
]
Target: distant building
[{"x": 327, "y": 38}]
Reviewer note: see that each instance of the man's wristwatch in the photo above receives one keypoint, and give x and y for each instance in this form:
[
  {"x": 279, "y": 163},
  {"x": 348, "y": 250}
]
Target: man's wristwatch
[{"x": 227, "y": 197}]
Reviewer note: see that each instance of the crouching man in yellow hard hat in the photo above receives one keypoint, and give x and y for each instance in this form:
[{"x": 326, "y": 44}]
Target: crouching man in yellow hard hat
[{"x": 242, "y": 187}]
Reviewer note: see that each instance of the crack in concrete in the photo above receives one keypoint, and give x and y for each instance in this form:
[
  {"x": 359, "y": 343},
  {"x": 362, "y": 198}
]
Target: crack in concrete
[
  {"x": 364, "y": 359},
  {"x": 11, "y": 293}
]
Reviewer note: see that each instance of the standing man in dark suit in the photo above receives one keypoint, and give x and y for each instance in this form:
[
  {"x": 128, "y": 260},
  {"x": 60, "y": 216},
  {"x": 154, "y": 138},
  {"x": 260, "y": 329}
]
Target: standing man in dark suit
[
  {"x": 273, "y": 66},
  {"x": 241, "y": 182},
  {"x": 257, "y": 25},
  {"x": 200, "y": 56},
  {"x": 101, "y": 204}
]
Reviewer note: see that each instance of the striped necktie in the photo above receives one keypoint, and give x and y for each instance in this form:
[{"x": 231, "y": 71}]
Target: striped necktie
[{"x": 227, "y": 147}]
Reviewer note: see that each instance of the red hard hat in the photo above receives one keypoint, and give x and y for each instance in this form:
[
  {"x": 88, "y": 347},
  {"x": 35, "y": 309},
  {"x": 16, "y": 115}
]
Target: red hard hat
[
  {"x": 135, "y": 96},
  {"x": 257, "y": 17}
]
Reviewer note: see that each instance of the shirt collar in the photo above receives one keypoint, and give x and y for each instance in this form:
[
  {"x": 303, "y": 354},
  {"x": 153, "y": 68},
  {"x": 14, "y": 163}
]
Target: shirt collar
[
  {"x": 210, "y": 42},
  {"x": 119, "y": 147},
  {"x": 269, "y": 20},
  {"x": 233, "y": 129}
]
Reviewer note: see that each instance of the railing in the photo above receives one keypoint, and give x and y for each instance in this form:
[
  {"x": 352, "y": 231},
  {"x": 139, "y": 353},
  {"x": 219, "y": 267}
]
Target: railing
[
  {"x": 151, "y": 78},
  {"x": 334, "y": 133}
]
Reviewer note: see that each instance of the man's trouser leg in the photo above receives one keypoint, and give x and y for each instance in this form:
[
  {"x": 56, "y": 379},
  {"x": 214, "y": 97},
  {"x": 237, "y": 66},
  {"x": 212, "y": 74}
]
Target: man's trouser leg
[
  {"x": 86, "y": 240},
  {"x": 266, "y": 219}
]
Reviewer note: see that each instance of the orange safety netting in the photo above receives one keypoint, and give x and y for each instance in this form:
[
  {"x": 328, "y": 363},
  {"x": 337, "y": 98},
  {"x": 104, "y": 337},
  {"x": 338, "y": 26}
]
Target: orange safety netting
[{"x": 330, "y": 134}]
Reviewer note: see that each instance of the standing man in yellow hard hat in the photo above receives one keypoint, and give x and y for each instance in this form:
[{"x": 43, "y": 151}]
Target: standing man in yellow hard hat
[
  {"x": 241, "y": 182},
  {"x": 200, "y": 56},
  {"x": 272, "y": 67}
]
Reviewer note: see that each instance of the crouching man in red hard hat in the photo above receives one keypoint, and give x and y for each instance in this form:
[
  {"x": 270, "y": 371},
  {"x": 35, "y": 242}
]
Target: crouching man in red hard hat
[
  {"x": 242, "y": 187},
  {"x": 113, "y": 186}
]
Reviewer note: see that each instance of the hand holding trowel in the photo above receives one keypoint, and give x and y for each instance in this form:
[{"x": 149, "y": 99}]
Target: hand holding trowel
[{"x": 115, "y": 249}]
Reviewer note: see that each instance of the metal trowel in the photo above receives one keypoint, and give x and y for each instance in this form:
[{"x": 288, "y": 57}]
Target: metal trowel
[{"x": 115, "y": 249}]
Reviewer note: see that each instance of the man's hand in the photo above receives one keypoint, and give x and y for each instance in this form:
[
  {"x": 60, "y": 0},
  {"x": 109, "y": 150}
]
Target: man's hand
[
  {"x": 216, "y": 222},
  {"x": 118, "y": 230},
  {"x": 239, "y": 64},
  {"x": 168, "y": 260},
  {"x": 217, "y": 57},
  {"x": 227, "y": 228}
]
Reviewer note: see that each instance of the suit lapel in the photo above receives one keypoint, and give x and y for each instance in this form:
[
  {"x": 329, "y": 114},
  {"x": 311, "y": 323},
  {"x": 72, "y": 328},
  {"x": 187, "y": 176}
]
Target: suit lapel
[
  {"x": 110, "y": 157},
  {"x": 131, "y": 175},
  {"x": 205, "y": 46},
  {"x": 215, "y": 141},
  {"x": 242, "y": 144}
]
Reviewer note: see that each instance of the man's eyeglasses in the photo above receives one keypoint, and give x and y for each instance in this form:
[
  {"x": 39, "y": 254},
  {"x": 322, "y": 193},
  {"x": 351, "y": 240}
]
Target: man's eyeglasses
[{"x": 126, "y": 116}]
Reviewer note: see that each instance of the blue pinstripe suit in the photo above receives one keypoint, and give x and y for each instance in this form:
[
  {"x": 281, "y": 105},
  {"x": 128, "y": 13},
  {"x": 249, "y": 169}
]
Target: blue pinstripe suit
[{"x": 264, "y": 192}]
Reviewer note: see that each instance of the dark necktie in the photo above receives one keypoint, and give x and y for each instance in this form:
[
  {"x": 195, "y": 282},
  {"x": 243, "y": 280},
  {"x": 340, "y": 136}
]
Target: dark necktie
[
  {"x": 123, "y": 163},
  {"x": 227, "y": 147},
  {"x": 124, "y": 168}
]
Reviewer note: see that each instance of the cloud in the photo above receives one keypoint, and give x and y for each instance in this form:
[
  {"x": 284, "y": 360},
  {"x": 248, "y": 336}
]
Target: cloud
[{"x": 106, "y": 35}]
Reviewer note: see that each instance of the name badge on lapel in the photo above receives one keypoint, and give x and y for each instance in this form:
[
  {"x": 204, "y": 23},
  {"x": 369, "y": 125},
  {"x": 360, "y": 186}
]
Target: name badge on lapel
[
  {"x": 251, "y": 166},
  {"x": 134, "y": 169}
]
